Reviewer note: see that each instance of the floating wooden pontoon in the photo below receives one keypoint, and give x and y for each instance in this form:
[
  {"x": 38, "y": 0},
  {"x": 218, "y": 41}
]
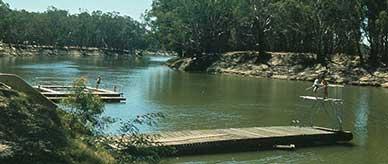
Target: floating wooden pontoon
[
  {"x": 249, "y": 139},
  {"x": 57, "y": 93}
]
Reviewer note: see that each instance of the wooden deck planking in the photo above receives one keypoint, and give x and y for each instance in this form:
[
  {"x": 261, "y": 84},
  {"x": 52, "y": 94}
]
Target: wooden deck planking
[
  {"x": 291, "y": 130},
  {"x": 188, "y": 136},
  {"x": 320, "y": 99},
  {"x": 245, "y": 133},
  {"x": 198, "y": 141},
  {"x": 287, "y": 131},
  {"x": 191, "y": 140},
  {"x": 270, "y": 132},
  {"x": 56, "y": 93},
  {"x": 46, "y": 90}
]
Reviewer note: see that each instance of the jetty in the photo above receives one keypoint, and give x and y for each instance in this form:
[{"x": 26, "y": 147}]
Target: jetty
[
  {"x": 195, "y": 142},
  {"x": 58, "y": 92},
  {"x": 250, "y": 139}
]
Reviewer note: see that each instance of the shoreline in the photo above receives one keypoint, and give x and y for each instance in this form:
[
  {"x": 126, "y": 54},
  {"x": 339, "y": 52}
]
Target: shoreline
[
  {"x": 12, "y": 50},
  {"x": 340, "y": 69}
]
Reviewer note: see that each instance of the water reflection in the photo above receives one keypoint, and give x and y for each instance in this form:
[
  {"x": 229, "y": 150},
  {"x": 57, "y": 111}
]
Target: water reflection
[{"x": 361, "y": 121}]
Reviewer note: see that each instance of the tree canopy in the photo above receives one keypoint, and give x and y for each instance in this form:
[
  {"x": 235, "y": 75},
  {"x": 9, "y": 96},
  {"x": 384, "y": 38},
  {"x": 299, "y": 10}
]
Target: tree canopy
[
  {"x": 56, "y": 27},
  {"x": 323, "y": 27},
  {"x": 194, "y": 27}
]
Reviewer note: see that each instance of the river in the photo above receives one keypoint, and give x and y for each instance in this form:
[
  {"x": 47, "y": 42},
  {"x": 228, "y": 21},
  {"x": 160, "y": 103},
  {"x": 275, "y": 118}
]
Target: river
[{"x": 202, "y": 101}]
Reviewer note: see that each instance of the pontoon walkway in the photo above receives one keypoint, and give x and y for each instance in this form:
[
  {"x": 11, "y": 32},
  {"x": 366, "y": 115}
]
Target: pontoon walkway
[{"x": 250, "y": 139}]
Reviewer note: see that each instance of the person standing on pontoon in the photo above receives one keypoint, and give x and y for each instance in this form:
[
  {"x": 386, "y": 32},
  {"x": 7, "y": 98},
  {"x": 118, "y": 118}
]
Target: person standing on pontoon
[
  {"x": 98, "y": 81},
  {"x": 325, "y": 86},
  {"x": 316, "y": 85},
  {"x": 321, "y": 83}
]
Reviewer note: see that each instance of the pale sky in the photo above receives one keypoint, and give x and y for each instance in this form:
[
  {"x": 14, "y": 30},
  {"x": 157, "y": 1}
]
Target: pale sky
[{"x": 132, "y": 8}]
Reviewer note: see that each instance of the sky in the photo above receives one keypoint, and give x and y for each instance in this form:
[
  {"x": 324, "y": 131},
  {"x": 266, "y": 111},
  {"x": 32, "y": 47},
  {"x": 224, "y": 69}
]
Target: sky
[{"x": 132, "y": 8}]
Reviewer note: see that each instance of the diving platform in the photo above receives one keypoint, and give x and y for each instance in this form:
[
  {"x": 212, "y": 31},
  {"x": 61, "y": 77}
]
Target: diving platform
[
  {"x": 57, "y": 93},
  {"x": 190, "y": 142},
  {"x": 321, "y": 99}
]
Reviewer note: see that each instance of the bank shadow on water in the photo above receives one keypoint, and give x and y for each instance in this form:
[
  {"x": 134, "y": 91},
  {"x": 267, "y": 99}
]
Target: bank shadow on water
[{"x": 302, "y": 154}]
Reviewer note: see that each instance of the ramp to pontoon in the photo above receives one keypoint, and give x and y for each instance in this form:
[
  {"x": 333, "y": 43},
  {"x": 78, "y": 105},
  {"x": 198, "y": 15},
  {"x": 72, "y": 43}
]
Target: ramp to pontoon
[{"x": 17, "y": 83}]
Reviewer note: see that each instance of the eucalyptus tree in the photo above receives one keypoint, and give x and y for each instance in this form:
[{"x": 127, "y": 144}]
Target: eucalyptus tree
[
  {"x": 376, "y": 30},
  {"x": 4, "y": 11},
  {"x": 324, "y": 27},
  {"x": 192, "y": 26},
  {"x": 56, "y": 27},
  {"x": 337, "y": 27}
]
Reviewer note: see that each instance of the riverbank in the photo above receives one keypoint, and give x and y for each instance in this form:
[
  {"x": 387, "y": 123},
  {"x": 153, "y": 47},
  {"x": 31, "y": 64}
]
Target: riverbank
[
  {"x": 340, "y": 69},
  {"x": 156, "y": 53},
  {"x": 34, "y": 50},
  {"x": 30, "y": 131}
]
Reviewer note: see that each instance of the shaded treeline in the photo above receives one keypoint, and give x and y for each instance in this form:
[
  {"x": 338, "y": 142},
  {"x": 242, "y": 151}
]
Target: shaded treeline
[
  {"x": 56, "y": 27},
  {"x": 323, "y": 27}
]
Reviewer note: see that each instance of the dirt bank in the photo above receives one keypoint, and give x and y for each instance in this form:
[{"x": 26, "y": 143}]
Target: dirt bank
[
  {"x": 33, "y": 50},
  {"x": 340, "y": 69}
]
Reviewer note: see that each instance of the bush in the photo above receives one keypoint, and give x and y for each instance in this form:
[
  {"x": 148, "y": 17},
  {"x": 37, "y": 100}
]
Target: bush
[{"x": 84, "y": 114}]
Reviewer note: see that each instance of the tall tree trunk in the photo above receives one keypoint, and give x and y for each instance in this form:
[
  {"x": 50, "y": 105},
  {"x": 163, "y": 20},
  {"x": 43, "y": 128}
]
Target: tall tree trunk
[{"x": 372, "y": 14}]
